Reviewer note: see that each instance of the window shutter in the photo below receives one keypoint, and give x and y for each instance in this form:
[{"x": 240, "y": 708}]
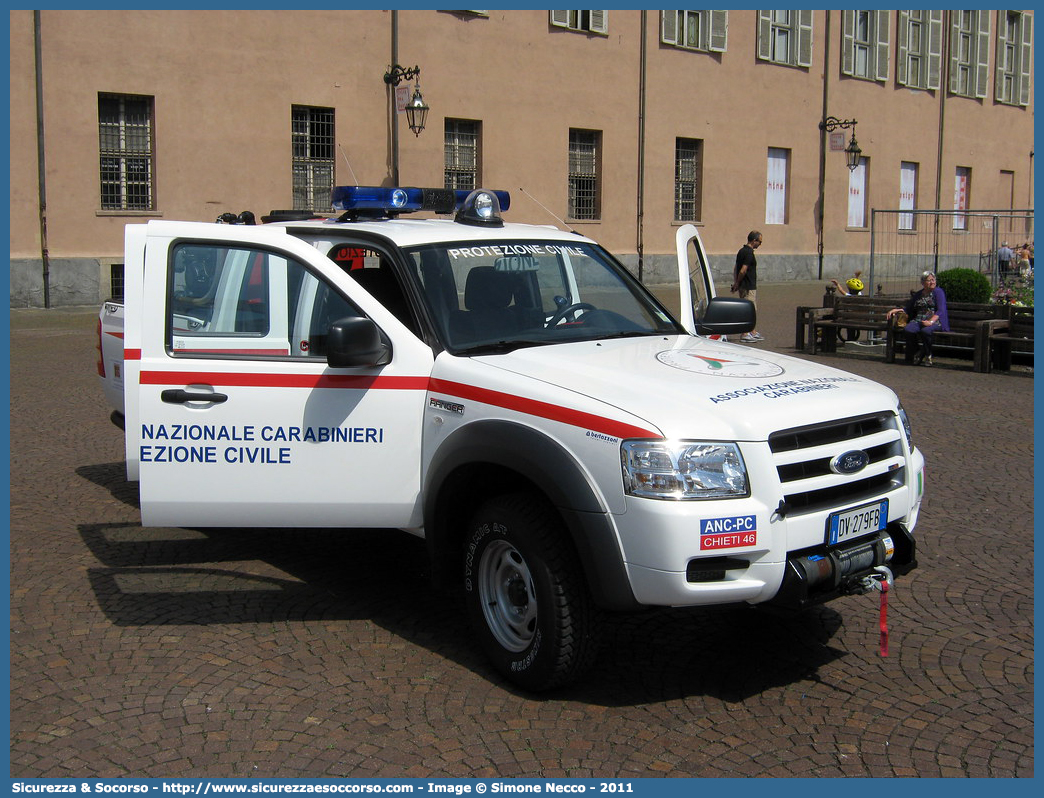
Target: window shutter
[
  {"x": 600, "y": 21},
  {"x": 765, "y": 35},
  {"x": 902, "y": 48},
  {"x": 847, "y": 42},
  {"x": 884, "y": 44},
  {"x": 1026, "y": 23},
  {"x": 982, "y": 55},
  {"x": 804, "y": 53},
  {"x": 669, "y": 27},
  {"x": 560, "y": 19},
  {"x": 719, "y": 37},
  {"x": 935, "y": 36},
  {"x": 955, "y": 43},
  {"x": 1002, "y": 41}
]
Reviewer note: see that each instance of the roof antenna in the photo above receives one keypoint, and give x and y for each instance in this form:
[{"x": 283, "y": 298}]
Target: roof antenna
[
  {"x": 349, "y": 165},
  {"x": 538, "y": 202}
]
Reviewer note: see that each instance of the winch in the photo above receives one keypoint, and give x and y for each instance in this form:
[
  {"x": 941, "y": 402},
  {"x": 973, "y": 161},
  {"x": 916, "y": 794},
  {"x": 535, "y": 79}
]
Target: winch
[{"x": 824, "y": 573}]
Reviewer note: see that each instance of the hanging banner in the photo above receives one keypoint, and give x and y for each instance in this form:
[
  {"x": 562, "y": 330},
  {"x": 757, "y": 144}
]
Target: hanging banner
[
  {"x": 907, "y": 194},
  {"x": 857, "y": 195},
  {"x": 960, "y": 198},
  {"x": 776, "y": 187}
]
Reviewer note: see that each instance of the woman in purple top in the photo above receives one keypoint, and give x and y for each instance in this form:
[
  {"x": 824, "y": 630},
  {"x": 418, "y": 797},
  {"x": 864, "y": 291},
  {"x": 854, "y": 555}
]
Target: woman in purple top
[{"x": 926, "y": 312}]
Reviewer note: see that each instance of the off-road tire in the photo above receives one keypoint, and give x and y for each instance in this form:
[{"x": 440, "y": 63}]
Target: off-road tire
[{"x": 525, "y": 593}]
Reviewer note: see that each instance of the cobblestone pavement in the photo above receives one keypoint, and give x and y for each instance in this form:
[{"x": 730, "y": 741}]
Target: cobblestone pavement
[{"x": 180, "y": 653}]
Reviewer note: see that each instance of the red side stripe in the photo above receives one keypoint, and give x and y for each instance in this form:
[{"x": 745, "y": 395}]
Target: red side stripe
[
  {"x": 132, "y": 354},
  {"x": 518, "y": 404},
  {"x": 532, "y": 407}
]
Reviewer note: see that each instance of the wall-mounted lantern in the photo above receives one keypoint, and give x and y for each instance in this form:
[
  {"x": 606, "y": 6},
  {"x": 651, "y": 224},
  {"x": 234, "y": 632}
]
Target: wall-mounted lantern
[{"x": 852, "y": 151}]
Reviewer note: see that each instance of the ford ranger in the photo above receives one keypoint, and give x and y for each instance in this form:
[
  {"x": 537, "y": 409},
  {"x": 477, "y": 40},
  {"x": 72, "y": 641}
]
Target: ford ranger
[{"x": 512, "y": 395}]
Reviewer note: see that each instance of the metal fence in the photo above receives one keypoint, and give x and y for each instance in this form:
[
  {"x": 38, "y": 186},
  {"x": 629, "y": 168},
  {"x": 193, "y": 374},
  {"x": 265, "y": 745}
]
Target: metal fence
[{"x": 905, "y": 244}]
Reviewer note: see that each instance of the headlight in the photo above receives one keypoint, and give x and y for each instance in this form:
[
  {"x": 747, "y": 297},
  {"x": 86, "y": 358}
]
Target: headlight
[
  {"x": 683, "y": 470},
  {"x": 906, "y": 427}
]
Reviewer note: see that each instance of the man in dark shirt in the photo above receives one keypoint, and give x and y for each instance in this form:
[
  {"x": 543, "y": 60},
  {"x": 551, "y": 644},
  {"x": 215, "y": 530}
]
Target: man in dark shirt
[{"x": 745, "y": 278}]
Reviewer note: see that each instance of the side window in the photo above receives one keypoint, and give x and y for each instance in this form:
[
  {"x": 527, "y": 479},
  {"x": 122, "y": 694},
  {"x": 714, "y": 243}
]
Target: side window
[
  {"x": 232, "y": 301},
  {"x": 698, "y": 281},
  {"x": 220, "y": 301},
  {"x": 315, "y": 305},
  {"x": 374, "y": 272}
]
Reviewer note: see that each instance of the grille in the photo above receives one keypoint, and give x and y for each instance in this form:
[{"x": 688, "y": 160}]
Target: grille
[{"x": 803, "y": 455}]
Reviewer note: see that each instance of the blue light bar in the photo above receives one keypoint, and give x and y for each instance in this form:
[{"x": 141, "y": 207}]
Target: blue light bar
[
  {"x": 375, "y": 198},
  {"x": 384, "y": 201}
]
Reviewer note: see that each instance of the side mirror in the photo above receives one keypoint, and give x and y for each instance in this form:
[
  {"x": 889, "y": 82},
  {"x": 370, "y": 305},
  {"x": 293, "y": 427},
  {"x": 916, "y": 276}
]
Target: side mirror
[
  {"x": 726, "y": 315},
  {"x": 355, "y": 342}
]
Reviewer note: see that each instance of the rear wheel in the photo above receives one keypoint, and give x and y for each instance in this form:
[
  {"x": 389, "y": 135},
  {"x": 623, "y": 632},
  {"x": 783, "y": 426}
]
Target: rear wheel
[{"x": 525, "y": 594}]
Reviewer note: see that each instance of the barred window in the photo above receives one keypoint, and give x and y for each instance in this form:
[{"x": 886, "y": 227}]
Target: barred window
[
  {"x": 584, "y": 183},
  {"x": 125, "y": 149},
  {"x": 462, "y": 154},
  {"x": 688, "y": 180},
  {"x": 116, "y": 281},
  {"x": 312, "y": 133}
]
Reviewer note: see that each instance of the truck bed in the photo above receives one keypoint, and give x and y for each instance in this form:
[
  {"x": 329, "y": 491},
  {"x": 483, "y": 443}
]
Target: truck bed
[{"x": 110, "y": 356}]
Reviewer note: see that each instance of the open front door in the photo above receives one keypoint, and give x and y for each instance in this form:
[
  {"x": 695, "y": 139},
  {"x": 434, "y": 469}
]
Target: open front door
[
  {"x": 694, "y": 277},
  {"x": 235, "y": 417}
]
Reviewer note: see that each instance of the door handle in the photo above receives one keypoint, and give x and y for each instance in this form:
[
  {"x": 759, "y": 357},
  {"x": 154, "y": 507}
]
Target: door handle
[{"x": 179, "y": 396}]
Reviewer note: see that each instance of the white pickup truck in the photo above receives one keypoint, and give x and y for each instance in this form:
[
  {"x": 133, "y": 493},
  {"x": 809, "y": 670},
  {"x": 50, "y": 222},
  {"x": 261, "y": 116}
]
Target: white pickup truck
[{"x": 512, "y": 395}]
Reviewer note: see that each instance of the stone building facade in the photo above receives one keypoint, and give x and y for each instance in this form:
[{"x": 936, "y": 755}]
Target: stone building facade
[{"x": 621, "y": 124}]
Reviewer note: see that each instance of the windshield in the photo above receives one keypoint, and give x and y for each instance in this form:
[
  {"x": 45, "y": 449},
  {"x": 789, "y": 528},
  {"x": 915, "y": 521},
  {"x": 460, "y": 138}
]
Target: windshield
[{"x": 500, "y": 296}]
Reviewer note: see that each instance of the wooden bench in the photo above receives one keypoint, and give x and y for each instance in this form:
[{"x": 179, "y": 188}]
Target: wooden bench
[
  {"x": 801, "y": 325},
  {"x": 998, "y": 338},
  {"x": 965, "y": 318},
  {"x": 849, "y": 313},
  {"x": 816, "y": 328}
]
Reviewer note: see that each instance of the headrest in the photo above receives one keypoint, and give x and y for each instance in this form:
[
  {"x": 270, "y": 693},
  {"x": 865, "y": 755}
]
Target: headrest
[{"x": 486, "y": 289}]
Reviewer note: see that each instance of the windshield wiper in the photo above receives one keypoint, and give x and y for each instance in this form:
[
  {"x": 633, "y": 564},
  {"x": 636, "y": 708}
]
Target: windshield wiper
[
  {"x": 634, "y": 334},
  {"x": 502, "y": 347}
]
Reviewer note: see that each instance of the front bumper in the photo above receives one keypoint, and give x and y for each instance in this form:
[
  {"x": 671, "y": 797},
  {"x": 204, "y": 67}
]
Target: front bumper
[
  {"x": 787, "y": 562},
  {"x": 817, "y": 576},
  {"x": 806, "y": 578}
]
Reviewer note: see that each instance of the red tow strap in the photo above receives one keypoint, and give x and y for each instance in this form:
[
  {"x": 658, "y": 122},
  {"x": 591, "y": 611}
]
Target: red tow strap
[{"x": 884, "y": 618}]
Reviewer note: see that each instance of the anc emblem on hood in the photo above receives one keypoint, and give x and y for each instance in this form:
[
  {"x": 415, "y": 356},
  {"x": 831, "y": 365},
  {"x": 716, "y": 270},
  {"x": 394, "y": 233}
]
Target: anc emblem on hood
[{"x": 719, "y": 365}]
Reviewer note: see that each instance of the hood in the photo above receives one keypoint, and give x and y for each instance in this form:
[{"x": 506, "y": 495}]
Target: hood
[{"x": 696, "y": 387}]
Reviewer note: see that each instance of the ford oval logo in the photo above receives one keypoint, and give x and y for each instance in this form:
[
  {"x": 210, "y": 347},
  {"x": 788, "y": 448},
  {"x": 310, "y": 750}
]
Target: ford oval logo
[{"x": 850, "y": 462}]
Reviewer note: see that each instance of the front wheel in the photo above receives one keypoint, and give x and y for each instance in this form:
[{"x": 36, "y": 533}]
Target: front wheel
[{"x": 525, "y": 595}]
